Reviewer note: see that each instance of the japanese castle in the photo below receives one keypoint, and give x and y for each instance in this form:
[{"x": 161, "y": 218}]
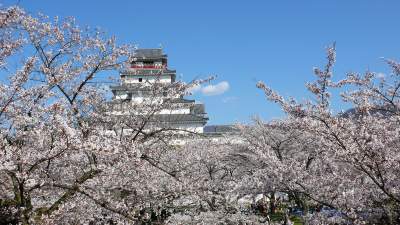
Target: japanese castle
[{"x": 138, "y": 82}]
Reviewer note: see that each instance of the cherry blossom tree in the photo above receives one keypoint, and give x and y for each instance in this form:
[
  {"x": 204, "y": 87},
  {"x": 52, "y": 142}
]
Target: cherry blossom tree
[
  {"x": 347, "y": 161},
  {"x": 66, "y": 157},
  {"x": 213, "y": 171},
  {"x": 70, "y": 156}
]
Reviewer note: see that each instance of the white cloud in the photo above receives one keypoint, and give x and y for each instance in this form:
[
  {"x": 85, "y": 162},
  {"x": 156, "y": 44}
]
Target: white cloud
[
  {"x": 194, "y": 89},
  {"x": 216, "y": 89}
]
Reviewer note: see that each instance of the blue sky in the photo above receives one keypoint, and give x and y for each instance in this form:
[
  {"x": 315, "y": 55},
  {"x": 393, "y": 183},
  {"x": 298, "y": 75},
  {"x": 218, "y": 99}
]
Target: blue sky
[{"x": 242, "y": 42}]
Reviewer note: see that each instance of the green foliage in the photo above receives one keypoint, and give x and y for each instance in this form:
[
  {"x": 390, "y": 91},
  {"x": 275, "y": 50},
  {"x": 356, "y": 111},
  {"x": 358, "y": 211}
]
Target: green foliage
[
  {"x": 279, "y": 217},
  {"x": 296, "y": 220}
]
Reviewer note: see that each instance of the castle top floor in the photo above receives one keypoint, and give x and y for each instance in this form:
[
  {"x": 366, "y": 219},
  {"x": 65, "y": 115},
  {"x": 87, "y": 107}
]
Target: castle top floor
[
  {"x": 148, "y": 66},
  {"x": 151, "y": 58}
]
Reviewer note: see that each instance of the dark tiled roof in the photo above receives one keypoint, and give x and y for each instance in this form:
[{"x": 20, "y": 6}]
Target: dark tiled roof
[
  {"x": 138, "y": 87},
  {"x": 179, "y": 118},
  {"x": 180, "y": 100},
  {"x": 149, "y": 53},
  {"x": 131, "y": 87},
  {"x": 148, "y": 72}
]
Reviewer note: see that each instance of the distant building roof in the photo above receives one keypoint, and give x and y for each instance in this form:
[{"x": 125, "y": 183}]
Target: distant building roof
[{"x": 220, "y": 129}]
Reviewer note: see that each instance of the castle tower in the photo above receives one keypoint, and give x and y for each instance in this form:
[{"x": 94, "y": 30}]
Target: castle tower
[{"x": 148, "y": 68}]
